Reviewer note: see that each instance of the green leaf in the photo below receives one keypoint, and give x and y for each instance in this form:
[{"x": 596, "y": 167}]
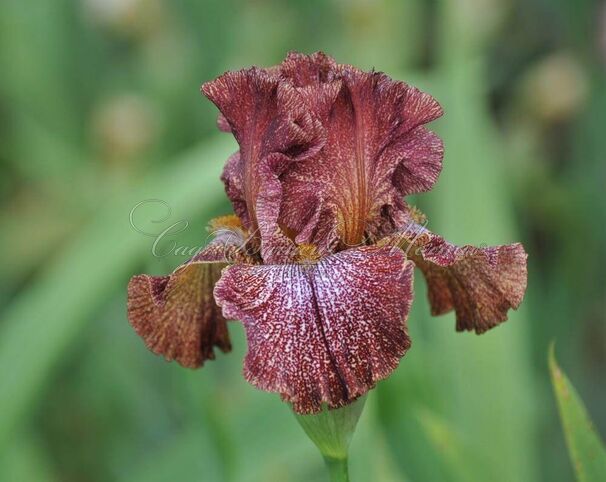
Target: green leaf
[
  {"x": 45, "y": 320},
  {"x": 449, "y": 447},
  {"x": 584, "y": 446}
]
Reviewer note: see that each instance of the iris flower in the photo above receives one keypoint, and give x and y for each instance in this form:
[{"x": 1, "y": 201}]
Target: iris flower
[{"x": 317, "y": 262}]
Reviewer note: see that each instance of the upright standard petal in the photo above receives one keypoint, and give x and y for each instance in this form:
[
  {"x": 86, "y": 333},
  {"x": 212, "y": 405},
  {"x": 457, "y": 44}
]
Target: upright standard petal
[
  {"x": 273, "y": 126},
  {"x": 315, "y": 77},
  {"x": 480, "y": 284},
  {"x": 376, "y": 152},
  {"x": 325, "y": 332},
  {"x": 176, "y": 315}
]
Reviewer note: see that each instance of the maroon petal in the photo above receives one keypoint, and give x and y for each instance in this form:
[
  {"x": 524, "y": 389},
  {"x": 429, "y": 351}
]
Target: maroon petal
[
  {"x": 274, "y": 128},
  {"x": 325, "y": 332},
  {"x": 176, "y": 315},
  {"x": 308, "y": 70},
  {"x": 422, "y": 152},
  {"x": 315, "y": 77},
  {"x": 480, "y": 284},
  {"x": 376, "y": 152},
  {"x": 223, "y": 124},
  {"x": 233, "y": 180}
]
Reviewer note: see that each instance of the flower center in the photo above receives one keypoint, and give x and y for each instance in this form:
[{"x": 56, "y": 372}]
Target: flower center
[{"x": 307, "y": 254}]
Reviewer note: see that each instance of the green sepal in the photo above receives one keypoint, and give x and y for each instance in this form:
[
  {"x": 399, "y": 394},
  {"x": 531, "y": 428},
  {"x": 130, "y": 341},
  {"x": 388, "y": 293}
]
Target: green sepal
[{"x": 331, "y": 431}]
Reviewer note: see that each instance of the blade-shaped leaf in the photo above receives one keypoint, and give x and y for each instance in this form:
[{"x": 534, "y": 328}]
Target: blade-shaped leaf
[
  {"x": 46, "y": 318},
  {"x": 586, "y": 451}
]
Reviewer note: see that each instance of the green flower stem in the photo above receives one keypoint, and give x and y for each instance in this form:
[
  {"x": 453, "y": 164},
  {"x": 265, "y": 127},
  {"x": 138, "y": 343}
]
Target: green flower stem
[{"x": 337, "y": 469}]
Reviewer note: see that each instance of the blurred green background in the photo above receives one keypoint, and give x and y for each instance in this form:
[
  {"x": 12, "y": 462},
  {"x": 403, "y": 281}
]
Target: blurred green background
[{"x": 100, "y": 109}]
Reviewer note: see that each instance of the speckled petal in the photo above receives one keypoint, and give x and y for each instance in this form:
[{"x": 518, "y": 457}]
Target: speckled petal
[
  {"x": 270, "y": 120},
  {"x": 234, "y": 188},
  {"x": 312, "y": 70},
  {"x": 376, "y": 152},
  {"x": 325, "y": 332},
  {"x": 176, "y": 315},
  {"x": 223, "y": 124},
  {"x": 480, "y": 284}
]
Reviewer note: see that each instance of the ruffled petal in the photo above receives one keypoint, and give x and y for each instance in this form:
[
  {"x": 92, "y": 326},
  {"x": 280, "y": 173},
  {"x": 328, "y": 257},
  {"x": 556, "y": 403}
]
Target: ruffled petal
[
  {"x": 421, "y": 152},
  {"x": 312, "y": 70},
  {"x": 315, "y": 77},
  {"x": 269, "y": 119},
  {"x": 176, "y": 315},
  {"x": 480, "y": 284},
  {"x": 325, "y": 332},
  {"x": 376, "y": 152}
]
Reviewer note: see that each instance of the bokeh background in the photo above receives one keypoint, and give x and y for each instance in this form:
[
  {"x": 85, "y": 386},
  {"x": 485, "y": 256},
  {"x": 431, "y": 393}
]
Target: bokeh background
[{"x": 100, "y": 110}]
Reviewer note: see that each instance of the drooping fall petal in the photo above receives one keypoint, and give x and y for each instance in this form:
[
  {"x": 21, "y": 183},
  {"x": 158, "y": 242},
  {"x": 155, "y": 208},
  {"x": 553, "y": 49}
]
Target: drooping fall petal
[
  {"x": 376, "y": 152},
  {"x": 325, "y": 332},
  {"x": 176, "y": 315},
  {"x": 270, "y": 121},
  {"x": 480, "y": 284}
]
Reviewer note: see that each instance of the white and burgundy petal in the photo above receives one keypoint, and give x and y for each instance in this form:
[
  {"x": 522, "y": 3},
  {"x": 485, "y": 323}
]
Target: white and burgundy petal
[
  {"x": 274, "y": 128},
  {"x": 364, "y": 296},
  {"x": 480, "y": 284},
  {"x": 376, "y": 152},
  {"x": 322, "y": 332}
]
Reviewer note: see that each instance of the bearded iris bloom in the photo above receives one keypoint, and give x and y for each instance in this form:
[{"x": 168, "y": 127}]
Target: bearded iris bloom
[{"x": 317, "y": 262}]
